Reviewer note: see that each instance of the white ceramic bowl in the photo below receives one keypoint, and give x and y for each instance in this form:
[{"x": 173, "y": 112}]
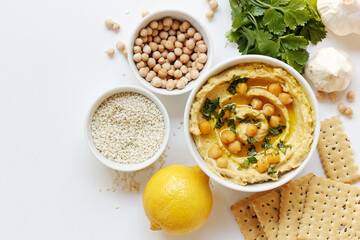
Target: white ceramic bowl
[
  {"x": 120, "y": 166},
  {"x": 181, "y": 16},
  {"x": 191, "y": 144}
]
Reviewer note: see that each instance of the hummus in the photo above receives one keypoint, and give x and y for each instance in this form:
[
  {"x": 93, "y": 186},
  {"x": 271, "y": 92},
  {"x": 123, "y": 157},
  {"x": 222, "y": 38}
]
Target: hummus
[{"x": 252, "y": 123}]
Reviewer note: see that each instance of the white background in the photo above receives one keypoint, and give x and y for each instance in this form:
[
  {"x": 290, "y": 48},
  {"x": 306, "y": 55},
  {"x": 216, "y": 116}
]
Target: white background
[{"x": 52, "y": 67}]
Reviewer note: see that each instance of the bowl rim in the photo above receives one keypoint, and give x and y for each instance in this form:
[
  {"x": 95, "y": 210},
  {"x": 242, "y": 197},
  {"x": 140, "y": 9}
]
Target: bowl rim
[
  {"x": 179, "y": 15},
  {"x": 257, "y": 187},
  {"x": 125, "y": 167}
]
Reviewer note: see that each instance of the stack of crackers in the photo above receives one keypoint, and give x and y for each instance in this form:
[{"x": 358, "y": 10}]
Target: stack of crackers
[{"x": 310, "y": 207}]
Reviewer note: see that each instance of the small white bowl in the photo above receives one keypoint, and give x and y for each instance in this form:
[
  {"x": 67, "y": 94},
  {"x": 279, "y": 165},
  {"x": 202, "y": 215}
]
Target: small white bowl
[
  {"x": 258, "y": 187},
  {"x": 121, "y": 166},
  {"x": 181, "y": 16}
]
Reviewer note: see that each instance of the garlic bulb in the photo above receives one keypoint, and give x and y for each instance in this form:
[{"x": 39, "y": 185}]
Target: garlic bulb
[
  {"x": 342, "y": 17},
  {"x": 330, "y": 70}
]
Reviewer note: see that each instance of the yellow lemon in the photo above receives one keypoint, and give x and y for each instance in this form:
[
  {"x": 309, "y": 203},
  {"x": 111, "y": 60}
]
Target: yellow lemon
[{"x": 177, "y": 199}]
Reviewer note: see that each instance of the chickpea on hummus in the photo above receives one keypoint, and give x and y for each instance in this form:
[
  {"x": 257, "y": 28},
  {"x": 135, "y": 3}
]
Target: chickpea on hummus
[{"x": 252, "y": 123}]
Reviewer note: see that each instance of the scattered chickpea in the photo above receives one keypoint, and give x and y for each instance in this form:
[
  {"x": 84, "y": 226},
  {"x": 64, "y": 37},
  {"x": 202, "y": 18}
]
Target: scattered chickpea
[
  {"x": 275, "y": 88},
  {"x": 145, "y": 13},
  {"x": 116, "y": 27},
  {"x": 125, "y": 52},
  {"x": 120, "y": 46},
  {"x": 341, "y": 107},
  {"x": 256, "y": 104},
  {"x": 268, "y": 109},
  {"x": 109, "y": 23},
  {"x": 320, "y": 95},
  {"x": 350, "y": 96},
  {"x": 213, "y": 5},
  {"x": 241, "y": 88},
  {"x": 215, "y": 152},
  {"x": 110, "y": 52},
  {"x": 205, "y": 127},
  {"x": 348, "y": 112},
  {"x": 234, "y": 147},
  {"x": 333, "y": 97},
  {"x": 272, "y": 158},
  {"x": 274, "y": 121},
  {"x": 222, "y": 162},
  {"x": 251, "y": 130},
  {"x": 227, "y": 137},
  {"x": 209, "y": 14},
  {"x": 285, "y": 98}
]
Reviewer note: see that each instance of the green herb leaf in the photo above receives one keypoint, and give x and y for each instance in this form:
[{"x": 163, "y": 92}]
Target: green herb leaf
[
  {"x": 283, "y": 147},
  {"x": 258, "y": 126},
  {"x": 252, "y": 151},
  {"x": 235, "y": 81},
  {"x": 232, "y": 125},
  {"x": 209, "y": 108},
  {"x": 245, "y": 163},
  {"x": 220, "y": 120},
  {"x": 252, "y": 160},
  {"x": 274, "y": 21},
  {"x": 293, "y": 42},
  {"x": 267, "y": 143},
  {"x": 314, "y": 31},
  {"x": 244, "y": 120},
  {"x": 251, "y": 140},
  {"x": 276, "y": 131},
  {"x": 271, "y": 169}
]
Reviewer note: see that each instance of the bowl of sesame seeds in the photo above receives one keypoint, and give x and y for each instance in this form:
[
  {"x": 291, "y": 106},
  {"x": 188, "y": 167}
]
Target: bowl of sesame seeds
[{"x": 127, "y": 128}]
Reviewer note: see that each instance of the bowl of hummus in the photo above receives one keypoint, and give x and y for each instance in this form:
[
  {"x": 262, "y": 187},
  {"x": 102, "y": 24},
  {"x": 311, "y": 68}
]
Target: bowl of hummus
[{"x": 252, "y": 123}]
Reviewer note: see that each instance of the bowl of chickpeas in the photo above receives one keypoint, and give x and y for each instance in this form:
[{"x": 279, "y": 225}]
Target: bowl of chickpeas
[
  {"x": 252, "y": 123},
  {"x": 168, "y": 51}
]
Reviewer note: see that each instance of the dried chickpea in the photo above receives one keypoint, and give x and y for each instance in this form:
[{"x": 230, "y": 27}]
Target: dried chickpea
[
  {"x": 166, "y": 28},
  {"x": 181, "y": 37},
  {"x": 184, "y": 58},
  {"x": 184, "y": 79},
  {"x": 234, "y": 147},
  {"x": 199, "y": 66},
  {"x": 274, "y": 121},
  {"x": 110, "y": 52},
  {"x": 164, "y": 53},
  {"x": 251, "y": 130},
  {"x": 215, "y": 152},
  {"x": 320, "y": 95},
  {"x": 166, "y": 66},
  {"x": 154, "y": 24},
  {"x": 256, "y": 104},
  {"x": 167, "y": 21},
  {"x": 171, "y": 56},
  {"x": 194, "y": 73},
  {"x": 333, "y": 96},
  {"x": 190, "y": 44},
  {"x": 163, "y": 35},
  {"x": 116, "y": 27},
  {"x": 171, "y": 72},
  {"x": 272, "y": 158},
  {"x": 181, "y": 84},
  {"x": 197, "y": 36},
  {"x": 185, "y": 25},
  {"x": 169, "y": 45},
  {"x": 209, "y": 14},
  {"x": 137, "y": 49},
  {"x": 177, "y": 51},
  {"x": 177, "y": 74},
  {"x": 161, "y": 48},
  {"x": 156, "y": 82},
  {"x": 160, "y": 25},
  {"x": 285, "y": 98},
  {"x": 149, "y": 30},
  {"x": 157, "y": 39},
  {"x": 188, "y": 76},
  {"x": 137, "y": 57},
  {"x": 350, "y": 96},
  {"x": 109, "y": 23},
  {"x": 348, "y": 111},
  {"x": 138, "y": 42},
  {"x": 156, "y": 55},
  {"x": 143, "y": 72},
  {"x": 125, "y": 52},
  {"x": 205, "y": 127},
  {"x": 191, "y": 32},
  {"x": 202, "y": 58},
  {"x": 187, "y": 51},
  {"x": 184, "y": 69},
  {"x": 262, "y": 166},
  {"x": 163, "y": 83},
  {"x": 155, "y": 33},
  {"x": 143, "y": 32},
  {"x": 140, "y": 64},
  {"x": 177, "y": 64},
  {"x": 202, "y": 48},
  {"x": 170, "y": 84},
  {"x": 153, "y": 46},
  {"x": 241, "y": 88},
  {"x": 194, "y": 56},
  {"x": 200, "y": 42},
  {"x": 227, "y": 137},
  {"x": 150, "y": 76},
  {"x": 341, "y": 107},
  {"x": 275, "y": 88},
  {"x": 222, "y": 162},
  {"x": 151, "y": 62},
  {"x": 120, "y": 46},
  {"x": 146, "y": 49},
  {"x": 179, "y": 44},
  {"x": 175, "y": 25},
  {"x": 213, "y": 4},
  {"x": 157, "y": 68},
  {"x": 144, "y": 39},
  {"x": 144, "y": 57},
  {"x": 162, "y": 73},
  {"x": 268, "y": 109},
  {"x": 161, "y": 60}
]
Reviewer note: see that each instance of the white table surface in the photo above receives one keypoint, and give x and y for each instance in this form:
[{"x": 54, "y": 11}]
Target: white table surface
[{"x": 52, "y": 67}]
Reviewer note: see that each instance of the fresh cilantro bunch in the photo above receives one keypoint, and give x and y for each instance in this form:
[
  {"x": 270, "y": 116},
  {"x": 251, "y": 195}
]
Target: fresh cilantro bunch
[{"x": 277, "y": 28}]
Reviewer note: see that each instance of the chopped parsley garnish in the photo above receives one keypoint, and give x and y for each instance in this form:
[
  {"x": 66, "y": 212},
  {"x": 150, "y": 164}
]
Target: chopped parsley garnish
[
  {"x": 267, "y": 143},
  {"x": 276, "y": 131},
  {"x": 220, "y": 119},
  {"x": 251, "y": 140},
  {"x": 252, "y": 160},
  {"x": 248, "y": 161},
  {"x": 267, "y": 118},
  {"x": 232, "y": 125},
  {"x": 259, "y": 126},
  {"x": 252, "y": 151},
  {"x": 283, "y": 147},
  {"x": 234, "y": 82},
  {"x": 280, "y": 173},
  {"x": 209, "y": 108},
  {"x": 271, "y": 169}
]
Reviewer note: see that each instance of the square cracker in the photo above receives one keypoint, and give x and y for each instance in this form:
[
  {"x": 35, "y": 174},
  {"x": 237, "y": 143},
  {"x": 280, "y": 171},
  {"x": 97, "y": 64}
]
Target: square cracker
[
  {"x": 335, "y": 152},
  {"x": 291, "y": 206},
  {"x": 332, "y": 211},
  {"x": 266, "y": 208},
  {"x": 247, "y": 220}
]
